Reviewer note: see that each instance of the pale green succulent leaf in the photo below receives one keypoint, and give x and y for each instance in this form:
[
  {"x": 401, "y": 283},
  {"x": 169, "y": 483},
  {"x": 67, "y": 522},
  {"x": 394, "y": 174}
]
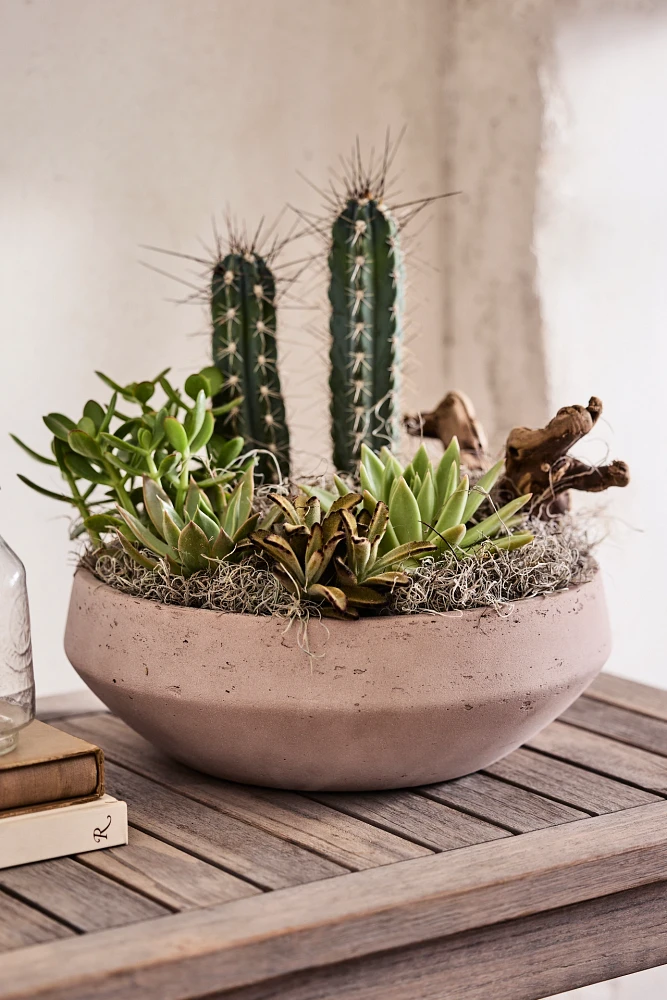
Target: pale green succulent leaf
[
  {"x": 214, "y": 380},
  {"x": 194, "y": 384},
  {"x": 408, "y": 550},
  {"x": 481, "y": 490},
  {"x": 421, "y": 463},
  {"x": 448, "y": 539},
  {"x": 447, "y": 480},
  {"x": 508, "y": 543},
  {"x": 225, "y": 452},
  {"x": 426, "y": 500},
  {"x": 87, "y": 425},
  {"x": 452, "y": 512},
  {"x": 371, "y": 471},
  {"x": 404, "y": 513},
  {"x": 488, "y": 527},
  {"x": 342, "y": 487}
]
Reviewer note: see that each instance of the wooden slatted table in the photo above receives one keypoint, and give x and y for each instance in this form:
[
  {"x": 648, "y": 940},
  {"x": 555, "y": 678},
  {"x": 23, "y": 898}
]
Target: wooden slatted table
[{"x": 545, "y": 872}]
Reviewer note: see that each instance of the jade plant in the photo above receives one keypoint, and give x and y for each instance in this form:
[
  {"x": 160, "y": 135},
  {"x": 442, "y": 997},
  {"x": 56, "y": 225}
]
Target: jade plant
[
  {"x": 435, "y": 504},
  {"x": 108, "y": 456},
  {"x": 334, "y": 559},
  {"x": 243, "y": 313}
]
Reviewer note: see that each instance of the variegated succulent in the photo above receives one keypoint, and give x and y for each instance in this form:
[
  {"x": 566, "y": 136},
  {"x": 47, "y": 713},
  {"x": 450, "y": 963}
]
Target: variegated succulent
[{"x": 334, "y": 560}]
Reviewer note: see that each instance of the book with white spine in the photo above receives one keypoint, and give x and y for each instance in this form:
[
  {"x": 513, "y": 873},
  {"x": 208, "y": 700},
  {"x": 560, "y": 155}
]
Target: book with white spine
[{"x": 55, "y": 833}]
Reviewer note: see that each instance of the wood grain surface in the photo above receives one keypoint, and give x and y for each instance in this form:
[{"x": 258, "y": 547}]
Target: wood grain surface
[
  {"x": 546, "y": 871},
  {"x": 250, "y": 940}
]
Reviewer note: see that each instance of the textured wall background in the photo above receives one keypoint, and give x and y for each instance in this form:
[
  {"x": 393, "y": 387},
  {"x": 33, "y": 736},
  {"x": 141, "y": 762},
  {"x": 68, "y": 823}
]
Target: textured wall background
[{"x": 131, "y": 123}]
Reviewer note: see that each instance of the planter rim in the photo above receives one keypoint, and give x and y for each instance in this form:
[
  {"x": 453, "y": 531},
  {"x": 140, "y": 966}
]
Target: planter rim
[{"x": 370, "y": 621}]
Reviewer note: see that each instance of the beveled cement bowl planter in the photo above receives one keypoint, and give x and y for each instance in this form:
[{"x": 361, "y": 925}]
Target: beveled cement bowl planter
[{"x": 384, "y": 703}]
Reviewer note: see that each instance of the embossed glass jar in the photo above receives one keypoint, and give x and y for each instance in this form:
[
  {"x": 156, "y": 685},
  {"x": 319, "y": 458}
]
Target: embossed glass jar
[{"x": 17, "y": 684}]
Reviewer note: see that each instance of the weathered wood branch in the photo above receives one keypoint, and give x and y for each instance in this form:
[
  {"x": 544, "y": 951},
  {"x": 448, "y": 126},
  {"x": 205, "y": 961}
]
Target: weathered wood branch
[
  {"x": 537, "y": 461},
  {"x": 454, "y": 416}
]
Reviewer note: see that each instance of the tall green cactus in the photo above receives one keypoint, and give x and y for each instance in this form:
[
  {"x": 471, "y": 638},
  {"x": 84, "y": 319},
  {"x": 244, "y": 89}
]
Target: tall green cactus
[
  {"x": 243, "y": 311},
  {"x": 366, "y": 295}
]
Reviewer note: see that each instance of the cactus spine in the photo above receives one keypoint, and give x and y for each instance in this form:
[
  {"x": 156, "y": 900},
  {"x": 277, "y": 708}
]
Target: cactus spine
[
  {"x": 243, "y": 312},
  {"x": 366, "y": 295}
]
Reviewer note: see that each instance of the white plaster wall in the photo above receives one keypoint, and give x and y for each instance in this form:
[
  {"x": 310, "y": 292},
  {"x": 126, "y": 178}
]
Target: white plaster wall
[
  {"x": 133, "y": 122},
  {"x": 601, "y": 244}
]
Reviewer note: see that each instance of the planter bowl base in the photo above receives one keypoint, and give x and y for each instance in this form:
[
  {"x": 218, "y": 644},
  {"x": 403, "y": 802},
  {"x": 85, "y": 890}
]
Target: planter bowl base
[{"x": 381, "y": 703}]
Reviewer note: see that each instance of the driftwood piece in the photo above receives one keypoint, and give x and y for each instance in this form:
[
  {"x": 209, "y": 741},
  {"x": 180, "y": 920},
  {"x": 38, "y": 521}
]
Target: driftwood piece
[
  {"x": 537, "y": 461},
  {"x": 454, "y": 416}
]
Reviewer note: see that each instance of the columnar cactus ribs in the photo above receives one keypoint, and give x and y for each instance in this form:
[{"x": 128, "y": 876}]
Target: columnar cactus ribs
[
  {"x": 366, "y": 325},
  {"x": 243, "y": 311}
]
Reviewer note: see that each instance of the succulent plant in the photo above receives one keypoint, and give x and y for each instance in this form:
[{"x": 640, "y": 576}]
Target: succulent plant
[
  {"x": 243, "y": 312},
  {"x": 435, "y": 504},
  {"x": 334, "y": 560},
  {"x": 106, "y": 456},
  {"x": 366, "y": 325},
  {"x": 192, "y": 534}
]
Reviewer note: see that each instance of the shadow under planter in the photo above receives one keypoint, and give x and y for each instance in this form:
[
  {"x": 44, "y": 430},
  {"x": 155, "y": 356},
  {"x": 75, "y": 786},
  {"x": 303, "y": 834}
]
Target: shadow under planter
[{"x": 384, "y": 702}]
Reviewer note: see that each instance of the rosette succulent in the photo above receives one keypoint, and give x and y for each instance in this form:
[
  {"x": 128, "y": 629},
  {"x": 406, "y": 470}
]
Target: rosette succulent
[
  {"x": 435, "y": 504},
  {"x": 335, "y": 560}
]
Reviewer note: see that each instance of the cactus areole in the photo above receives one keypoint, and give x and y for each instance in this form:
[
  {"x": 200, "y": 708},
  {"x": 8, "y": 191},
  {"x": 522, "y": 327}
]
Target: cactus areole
[
  {"x": 366, "y": 295},
  {"x": 243, "y": 312}
]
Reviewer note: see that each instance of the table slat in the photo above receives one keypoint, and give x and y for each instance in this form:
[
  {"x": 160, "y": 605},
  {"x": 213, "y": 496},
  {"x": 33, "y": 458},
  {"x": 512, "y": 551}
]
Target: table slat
[
  {"x": 415, "y": 816},
  {"x": 247, "y": 941},
  {"x": 499, "y": 802},
  {"x": 619, "y": 724},
  {"x": 629, "y": 694},
  {"x": 568, "y": 783},
  {"x": 297, "y": 818},
  {"x": 22, "y": 925},
  {"x": 83, "y": 898},
  {"x": 164, "y": 873},
  {"x": 602, "y": 754},
  {"x": 535, "y": 956},
  {"x": 240, "y": 848}
]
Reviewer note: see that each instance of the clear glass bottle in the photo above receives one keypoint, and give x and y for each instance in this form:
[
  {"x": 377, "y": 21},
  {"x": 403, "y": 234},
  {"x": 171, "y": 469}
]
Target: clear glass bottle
[{"x": 17, "y": 684}]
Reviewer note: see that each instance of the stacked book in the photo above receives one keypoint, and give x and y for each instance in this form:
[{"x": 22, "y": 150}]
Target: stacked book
[{"x": 52, "y": 800}]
